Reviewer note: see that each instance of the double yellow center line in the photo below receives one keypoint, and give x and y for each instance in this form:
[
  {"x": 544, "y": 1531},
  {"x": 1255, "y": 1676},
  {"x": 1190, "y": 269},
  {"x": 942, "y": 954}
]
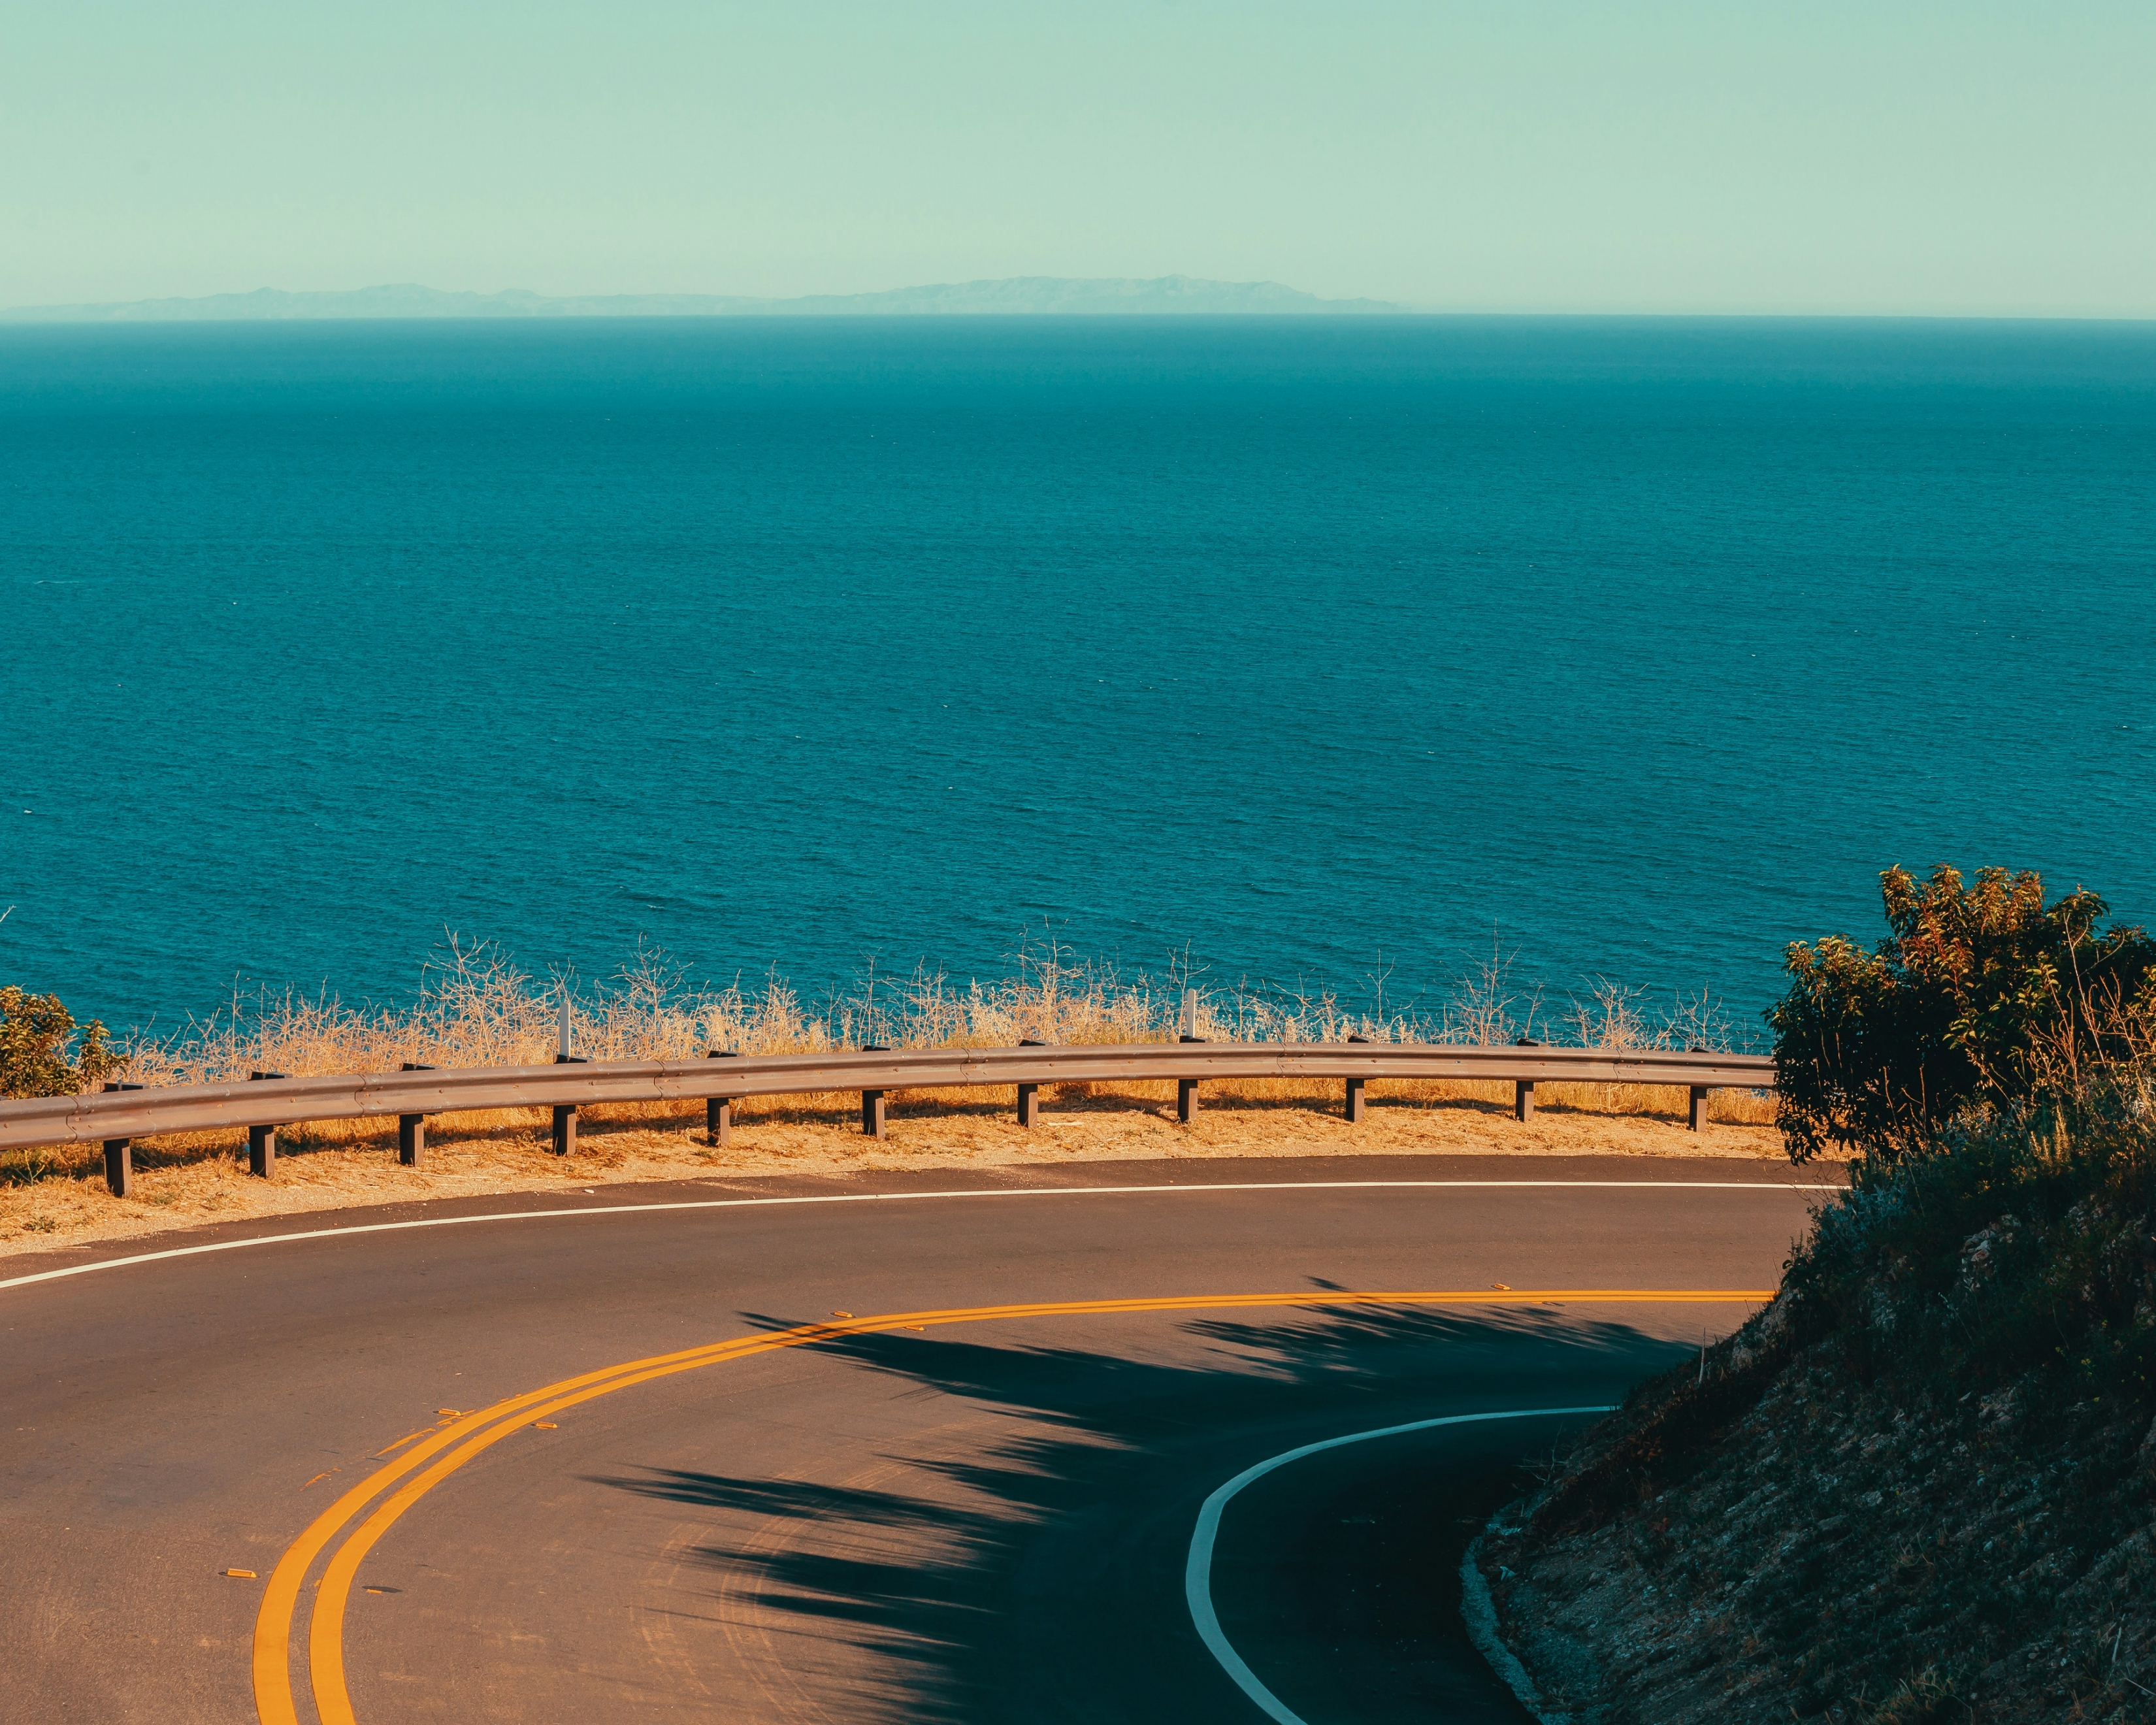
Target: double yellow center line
[{"x": 401, "y": 1483}]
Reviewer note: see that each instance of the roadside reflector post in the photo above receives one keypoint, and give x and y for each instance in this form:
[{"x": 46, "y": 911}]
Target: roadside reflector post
[
  {"x": 411, "y": 1130},
  {"x": 719, "y": 1110},
  {"x": 565, "y": 1113},
  {"x": 1523, "y": 1089},
  {"x": 120, "y": 1158},
  {"x": 262, "y": 1140},
  {"x": 1186, "y": 1089},
  {"x": 1354, "y": 1110}
]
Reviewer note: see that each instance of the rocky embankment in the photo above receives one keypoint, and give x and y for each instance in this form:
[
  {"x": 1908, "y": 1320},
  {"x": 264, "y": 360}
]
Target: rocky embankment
[{"x": 1918, "y": 1488}]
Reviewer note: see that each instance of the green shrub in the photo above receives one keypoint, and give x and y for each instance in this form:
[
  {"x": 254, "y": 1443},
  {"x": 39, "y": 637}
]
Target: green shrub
[
  {"x": 2021, "y": 1243},
  {"x": 1980, "y": 994},
  {"x": 36, "y": 1033}
]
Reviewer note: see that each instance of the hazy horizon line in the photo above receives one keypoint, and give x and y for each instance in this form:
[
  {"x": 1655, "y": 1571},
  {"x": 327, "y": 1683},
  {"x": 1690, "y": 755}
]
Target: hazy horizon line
[
  {"x": 990, "y": 297},
  {"x": 983, "y": 295}
]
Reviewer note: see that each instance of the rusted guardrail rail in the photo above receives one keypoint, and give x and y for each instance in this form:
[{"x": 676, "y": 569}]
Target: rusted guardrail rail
[{"x": 267, "y": 1100}]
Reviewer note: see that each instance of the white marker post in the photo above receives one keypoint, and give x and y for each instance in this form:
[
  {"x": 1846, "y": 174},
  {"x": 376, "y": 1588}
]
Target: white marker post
[
  {"x": 565, "y": 1113},
  {"x": 1186, "y": 1089}
]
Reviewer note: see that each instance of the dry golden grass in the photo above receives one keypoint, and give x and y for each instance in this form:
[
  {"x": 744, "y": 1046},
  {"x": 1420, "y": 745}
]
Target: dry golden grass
[{"x": 476, "y": 1010}]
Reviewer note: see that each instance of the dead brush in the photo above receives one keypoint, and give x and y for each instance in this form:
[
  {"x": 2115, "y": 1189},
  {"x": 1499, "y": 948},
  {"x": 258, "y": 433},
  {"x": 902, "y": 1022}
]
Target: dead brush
[{"x": 476, "y": 1007}]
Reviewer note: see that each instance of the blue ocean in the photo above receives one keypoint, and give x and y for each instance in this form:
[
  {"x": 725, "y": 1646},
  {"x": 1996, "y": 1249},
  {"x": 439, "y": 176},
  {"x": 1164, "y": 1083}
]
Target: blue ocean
[{"x": 1315, "y": 654}]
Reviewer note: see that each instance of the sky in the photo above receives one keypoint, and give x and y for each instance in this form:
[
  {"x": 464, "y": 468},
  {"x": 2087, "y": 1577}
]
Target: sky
[{"x": 1541, "y": 156}]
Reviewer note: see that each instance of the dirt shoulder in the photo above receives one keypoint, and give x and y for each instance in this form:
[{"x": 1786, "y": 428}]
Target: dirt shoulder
[{"x": 214, "y": 1186}]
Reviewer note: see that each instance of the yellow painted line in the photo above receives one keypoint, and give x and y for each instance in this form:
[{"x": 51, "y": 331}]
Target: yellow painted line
[
  {"x": 272, "y": 1688},
  {"x": 448, "y": 1449}
]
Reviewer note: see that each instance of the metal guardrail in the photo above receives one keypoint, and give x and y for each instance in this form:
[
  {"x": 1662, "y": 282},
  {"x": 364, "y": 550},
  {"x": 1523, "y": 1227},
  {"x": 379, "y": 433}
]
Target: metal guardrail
[{"x": 268, "y": 1101}]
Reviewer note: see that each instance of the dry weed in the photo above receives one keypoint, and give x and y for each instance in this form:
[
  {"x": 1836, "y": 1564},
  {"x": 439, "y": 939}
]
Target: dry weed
[{"x": 475, "y": 1007}]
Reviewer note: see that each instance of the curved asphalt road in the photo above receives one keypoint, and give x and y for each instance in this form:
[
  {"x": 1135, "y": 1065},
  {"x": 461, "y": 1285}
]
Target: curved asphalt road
[{"x": 984, "y": 1519}]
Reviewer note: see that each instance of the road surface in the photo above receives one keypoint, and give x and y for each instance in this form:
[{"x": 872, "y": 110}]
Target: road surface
[{"x": 735, "y": 1451}]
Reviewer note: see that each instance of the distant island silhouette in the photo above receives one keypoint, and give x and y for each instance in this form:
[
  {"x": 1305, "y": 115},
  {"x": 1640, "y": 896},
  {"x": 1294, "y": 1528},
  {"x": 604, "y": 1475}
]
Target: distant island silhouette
[{"x": 1018, "y": 295}]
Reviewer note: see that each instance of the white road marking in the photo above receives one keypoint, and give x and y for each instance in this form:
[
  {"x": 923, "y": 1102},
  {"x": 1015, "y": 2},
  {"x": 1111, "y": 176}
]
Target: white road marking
[
  {"x": 1198, "y": 1572},
  {"x": 732, "y": 1204}
]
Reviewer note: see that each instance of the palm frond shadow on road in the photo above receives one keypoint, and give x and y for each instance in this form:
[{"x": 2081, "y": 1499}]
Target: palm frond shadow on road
[{"x": 1023, "y": 1560}]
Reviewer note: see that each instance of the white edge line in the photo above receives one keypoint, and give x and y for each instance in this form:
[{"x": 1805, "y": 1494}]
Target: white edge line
[
  {"x": 1198, "y": 1572},
  {"x": 732, "y": 1204}
]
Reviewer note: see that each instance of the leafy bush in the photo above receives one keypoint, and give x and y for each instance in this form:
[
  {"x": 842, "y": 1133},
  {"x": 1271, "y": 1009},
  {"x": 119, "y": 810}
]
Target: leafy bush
[
  {"x": 1981, "y": 994},
  {"x": 36, "y": 1033}
]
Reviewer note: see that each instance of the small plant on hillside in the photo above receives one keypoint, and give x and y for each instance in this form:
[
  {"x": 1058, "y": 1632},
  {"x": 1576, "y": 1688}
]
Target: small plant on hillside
[
  {"x": 2020, "y": 1246},
  {"x": 36, "y": 1035},
  {"x": 1980, "y": 994}
]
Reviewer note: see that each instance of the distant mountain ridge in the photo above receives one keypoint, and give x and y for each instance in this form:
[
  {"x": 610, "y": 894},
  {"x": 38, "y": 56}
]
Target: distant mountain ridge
[{"x": 1020, "y": 295}]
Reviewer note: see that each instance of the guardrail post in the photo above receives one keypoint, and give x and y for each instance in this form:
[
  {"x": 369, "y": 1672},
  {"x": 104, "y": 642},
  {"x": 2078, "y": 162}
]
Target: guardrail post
[
  {"x": 262, "y": 1140},
  {"x": 872, "y": 1099},
  {"x": 411, "y": 1130},
  {"x": 1523, "y": 1089},
  {"x": 1186, "y": 1099},
  {"x": 1700, "y": 1093},
  {"x": 120, "y": 1158},
  {"x": 1028, "y": 1094},
  {"x": 565, "y": 1113},
  {"x": 1354, "y": 1103},
  {"x": 719, "y": 1110}
]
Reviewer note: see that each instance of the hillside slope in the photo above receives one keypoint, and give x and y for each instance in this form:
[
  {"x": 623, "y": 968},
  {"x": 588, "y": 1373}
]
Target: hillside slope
[{"x": 1920, "y": 1487}]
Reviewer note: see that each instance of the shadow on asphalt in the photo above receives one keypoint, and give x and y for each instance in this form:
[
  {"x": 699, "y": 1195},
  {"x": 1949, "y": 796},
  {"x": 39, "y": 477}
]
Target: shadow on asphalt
[{"x": 1038, "y": 1573}]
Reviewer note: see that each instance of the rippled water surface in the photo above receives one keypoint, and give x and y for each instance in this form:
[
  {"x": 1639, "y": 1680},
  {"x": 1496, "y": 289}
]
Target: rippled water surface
[{"x": 1312, "y": 650}]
